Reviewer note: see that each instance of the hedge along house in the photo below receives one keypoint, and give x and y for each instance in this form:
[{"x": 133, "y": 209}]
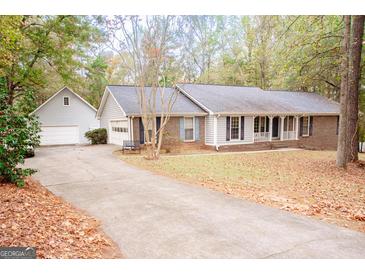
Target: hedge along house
[
  {"x": 120, "y": 114},
  {"x": 250, "y": 118}
]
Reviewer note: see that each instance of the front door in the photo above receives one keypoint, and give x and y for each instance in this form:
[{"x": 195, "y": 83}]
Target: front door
[{"x": 275, "y": 127}]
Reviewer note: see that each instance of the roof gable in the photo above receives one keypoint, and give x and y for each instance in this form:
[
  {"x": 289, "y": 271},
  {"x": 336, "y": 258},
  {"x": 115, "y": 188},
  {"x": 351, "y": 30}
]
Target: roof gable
[
  {"x": 127, "y": 99},
  {"x": 66, "y": 89}
]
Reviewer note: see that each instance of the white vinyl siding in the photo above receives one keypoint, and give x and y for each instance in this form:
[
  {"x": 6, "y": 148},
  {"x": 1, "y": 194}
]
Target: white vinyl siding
[
  {"x": 209, "y": 130},
  {"x": 221, "y": 131},
  {"x": 110, "y": 112}
]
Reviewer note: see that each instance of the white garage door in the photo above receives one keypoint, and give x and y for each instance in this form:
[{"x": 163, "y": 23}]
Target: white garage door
[
  {"x": 118, "y": 132},
  {"x": 59, "y": 135}
]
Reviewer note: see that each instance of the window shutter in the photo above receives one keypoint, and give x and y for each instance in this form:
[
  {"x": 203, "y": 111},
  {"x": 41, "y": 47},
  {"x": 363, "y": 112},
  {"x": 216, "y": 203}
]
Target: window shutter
[
  {"x": 197, "y": 128},
  {"x": 337, "y": 125},
  {"x": 267, "y": 123},
  {"x": 310, "y": 125},
  {"x": 301, "y": 126},
  {"x": 182, "y": 130},
  {"x": 242, "y": 127},
  {"x": 228, "y": 128},
  {"x": 141, "y": 132},
  {"x": 158, "y": 124}
]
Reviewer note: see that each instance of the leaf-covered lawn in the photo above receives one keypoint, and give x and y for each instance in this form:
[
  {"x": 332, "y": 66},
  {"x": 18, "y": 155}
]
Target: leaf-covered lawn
[
  {"x": 305, "y": 182},
  {"x": 33, "y": 216}
]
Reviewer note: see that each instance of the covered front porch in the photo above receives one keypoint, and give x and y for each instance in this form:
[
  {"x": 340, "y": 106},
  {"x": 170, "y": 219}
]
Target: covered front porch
[{"x": 270, "y": 128}]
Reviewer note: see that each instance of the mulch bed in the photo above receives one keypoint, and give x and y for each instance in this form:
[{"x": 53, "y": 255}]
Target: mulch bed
[{"x": 33, "y": 216}]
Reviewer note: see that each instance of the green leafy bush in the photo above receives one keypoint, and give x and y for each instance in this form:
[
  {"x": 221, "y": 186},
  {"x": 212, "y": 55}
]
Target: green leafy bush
[
  {"x": 18, "y": 133},
  {"x": 97, "y": 136}
]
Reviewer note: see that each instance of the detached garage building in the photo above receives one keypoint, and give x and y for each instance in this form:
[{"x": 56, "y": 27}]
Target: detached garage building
[{"x": 64, "y": 119}]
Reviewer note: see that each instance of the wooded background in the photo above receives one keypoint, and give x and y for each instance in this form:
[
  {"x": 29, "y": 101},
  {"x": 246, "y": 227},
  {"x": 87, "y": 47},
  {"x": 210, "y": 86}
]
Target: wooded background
[{"x": 40, "y": 54}]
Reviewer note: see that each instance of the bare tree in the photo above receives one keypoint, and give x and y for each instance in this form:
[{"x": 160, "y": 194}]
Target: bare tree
[
  {"x": 148, "y": 42},
  {"x": 341, "y": 159}
]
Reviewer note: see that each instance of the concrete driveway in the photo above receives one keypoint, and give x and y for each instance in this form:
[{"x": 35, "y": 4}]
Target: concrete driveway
[{"x": 151, "y": 216}]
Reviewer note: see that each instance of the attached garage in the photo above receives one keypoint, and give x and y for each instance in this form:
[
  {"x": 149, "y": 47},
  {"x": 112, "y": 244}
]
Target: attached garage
[
  {"x": 59, "y": 135},
  {"x": 65, "y": 118},
  {"x": 120, "y": 113},
  {"x": 118, "y": 132}
]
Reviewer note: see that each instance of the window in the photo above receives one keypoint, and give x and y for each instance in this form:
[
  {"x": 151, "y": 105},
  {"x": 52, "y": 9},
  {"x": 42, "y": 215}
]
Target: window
[
  {"x": 149, "y": 128},
  {"x": 305, "y": 128},
  {"x": 263, "y": 124},
  {"x": 256, "y": 124},
  {"x": 120, "y": 129},
  {"x": 235, "y": 128},
  {"x": 189, "y": 128},
  {"x": 66, "y": 101},
  {"x": 291, "y": 123}
]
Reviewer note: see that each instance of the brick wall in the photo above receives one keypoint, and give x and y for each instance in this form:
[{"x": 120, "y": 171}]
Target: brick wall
[
  {"x": 323, "y": 134},
  {"x": 323, "y": 137},
  {"x": 260, "y": 146}
]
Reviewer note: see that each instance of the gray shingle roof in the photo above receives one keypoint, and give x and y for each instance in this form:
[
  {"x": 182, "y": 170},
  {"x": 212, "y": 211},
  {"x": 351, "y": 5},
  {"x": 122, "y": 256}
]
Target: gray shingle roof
[
  {"x": 233, "y": 99},
  {"x": 127, "y": 97}
]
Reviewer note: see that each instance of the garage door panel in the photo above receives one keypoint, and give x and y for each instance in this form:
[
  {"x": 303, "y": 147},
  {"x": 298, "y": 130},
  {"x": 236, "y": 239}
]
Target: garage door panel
[
  {"x": 118, "y": 131},
  {"x": 56, "y": 135}
]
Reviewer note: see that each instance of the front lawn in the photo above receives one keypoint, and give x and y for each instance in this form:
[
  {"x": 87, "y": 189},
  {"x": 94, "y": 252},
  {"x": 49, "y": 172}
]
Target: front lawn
[{"x": 305, "y": 182}]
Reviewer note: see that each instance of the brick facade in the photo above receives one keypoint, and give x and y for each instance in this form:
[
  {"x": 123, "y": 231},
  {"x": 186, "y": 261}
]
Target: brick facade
[
  {"x": 324, "y": 134},
  {"x": 260, "y": 146},
  {"x": 324, "y": 137}
]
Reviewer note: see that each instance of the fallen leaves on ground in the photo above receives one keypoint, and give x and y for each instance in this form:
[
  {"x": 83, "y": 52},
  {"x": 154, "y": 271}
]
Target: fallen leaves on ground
[
  {"x": 304, "y": 182},
  {"x": 33, "y": 216}
]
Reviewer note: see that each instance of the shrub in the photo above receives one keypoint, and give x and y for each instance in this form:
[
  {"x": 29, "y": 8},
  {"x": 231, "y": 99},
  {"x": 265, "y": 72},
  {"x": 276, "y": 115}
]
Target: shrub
[
  {"x": 97, "y": 136},
  {"x": 18, "y": 133}
]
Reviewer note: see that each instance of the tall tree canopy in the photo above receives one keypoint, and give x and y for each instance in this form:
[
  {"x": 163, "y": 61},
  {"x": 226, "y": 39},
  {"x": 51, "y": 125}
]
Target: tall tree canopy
[
  {"x": 35, "y": 47},
  {"x": 40, "y": 54}
]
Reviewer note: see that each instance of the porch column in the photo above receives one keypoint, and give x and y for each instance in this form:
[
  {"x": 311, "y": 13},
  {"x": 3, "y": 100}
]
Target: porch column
[
  {"x": 270, "y": 128},
  {"x": 297, "y": 128},
  {"x": 131, "y": 129},
  {"x": 282, "y": 128}
]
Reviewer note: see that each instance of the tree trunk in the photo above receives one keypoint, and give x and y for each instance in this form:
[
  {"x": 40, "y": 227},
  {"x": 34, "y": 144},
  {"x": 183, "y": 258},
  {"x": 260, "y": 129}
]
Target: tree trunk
[
  {"x": 354, "y": 79},
  {"x": 341, "y": 159}
]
